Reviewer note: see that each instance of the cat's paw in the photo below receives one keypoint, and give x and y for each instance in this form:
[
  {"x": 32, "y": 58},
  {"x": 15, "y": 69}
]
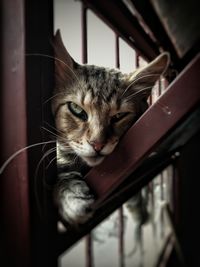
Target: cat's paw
[{"x": 74, "y": 202}]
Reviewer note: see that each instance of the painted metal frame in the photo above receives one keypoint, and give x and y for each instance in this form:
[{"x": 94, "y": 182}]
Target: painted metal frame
[
  {"x": 14, "y": 183},
  {"x": 175, "y": 107}
]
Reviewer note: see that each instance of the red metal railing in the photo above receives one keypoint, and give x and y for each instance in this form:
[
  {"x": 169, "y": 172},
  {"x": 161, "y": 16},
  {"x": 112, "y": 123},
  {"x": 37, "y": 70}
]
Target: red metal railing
[
  {"x": 169, "y": 111},
  {"x": 14, "y": 184}
]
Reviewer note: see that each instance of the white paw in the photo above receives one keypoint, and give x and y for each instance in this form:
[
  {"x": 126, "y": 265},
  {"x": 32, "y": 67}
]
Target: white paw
[{"x": 75, "y": 200}]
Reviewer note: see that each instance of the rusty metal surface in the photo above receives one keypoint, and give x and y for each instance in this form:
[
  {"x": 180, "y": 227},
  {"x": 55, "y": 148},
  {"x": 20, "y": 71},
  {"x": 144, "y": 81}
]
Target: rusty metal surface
[
  {"x": 177, "y": 101},
  {"x": 14, "y": 196}
]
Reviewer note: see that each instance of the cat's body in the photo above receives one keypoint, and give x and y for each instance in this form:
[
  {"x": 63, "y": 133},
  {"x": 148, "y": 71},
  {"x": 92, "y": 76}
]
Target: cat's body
[{"x": 93, "y": 107}]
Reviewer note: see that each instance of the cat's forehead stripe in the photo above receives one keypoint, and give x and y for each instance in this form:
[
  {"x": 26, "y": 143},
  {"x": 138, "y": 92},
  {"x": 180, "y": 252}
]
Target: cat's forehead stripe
[
  {"x": 101, "y": 80},
  {"x": 101, "y": 85},
  {"x": 88, "y": 98}
]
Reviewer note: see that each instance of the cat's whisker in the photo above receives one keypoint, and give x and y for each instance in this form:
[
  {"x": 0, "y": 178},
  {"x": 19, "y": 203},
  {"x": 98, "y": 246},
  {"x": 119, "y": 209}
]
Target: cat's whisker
[
  {"x": 5, "y": 164},
  {"x": 52, "y": 127},
  {"x": 51, "y": 162},
  {"x": 43, "y": 148},
  {"x": 67, "y": 147},
  {"x": 136, "y": 80},
  {"x": 52, "y": 97},
  {"x": 131, "y": 96},
  {"x": 54, "y": 134},
  {"x": 51, "y": 150},
  {"x": 49, "y": 131},
  {"x": 63, "y": 139},
  {"x": 61, "y": 61}
]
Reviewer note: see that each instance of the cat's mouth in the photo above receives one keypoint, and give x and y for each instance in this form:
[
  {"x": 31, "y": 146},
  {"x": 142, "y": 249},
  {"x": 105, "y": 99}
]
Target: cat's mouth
[{"x": 93, "y": 160}]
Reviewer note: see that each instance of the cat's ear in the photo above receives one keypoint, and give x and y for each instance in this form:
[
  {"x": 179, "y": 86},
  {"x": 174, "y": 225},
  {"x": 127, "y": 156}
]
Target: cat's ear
[
  {"x": 143, "y": 79},
  {"x": 64, "y": 63}
]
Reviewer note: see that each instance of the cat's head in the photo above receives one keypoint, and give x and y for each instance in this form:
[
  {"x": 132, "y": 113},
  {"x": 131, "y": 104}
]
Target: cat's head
[{"x": 94, "y": 106}]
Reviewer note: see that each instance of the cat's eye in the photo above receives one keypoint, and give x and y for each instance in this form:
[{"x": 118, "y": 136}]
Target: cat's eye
[
  {"x": 77, "y": 111},
  {"x": 119, "y": 116}
]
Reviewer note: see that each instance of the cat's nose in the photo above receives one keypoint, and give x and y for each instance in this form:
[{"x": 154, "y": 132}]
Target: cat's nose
[{"x": 98, "y": 146}]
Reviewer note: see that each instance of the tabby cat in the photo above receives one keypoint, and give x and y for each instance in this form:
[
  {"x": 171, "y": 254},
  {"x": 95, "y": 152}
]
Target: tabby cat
[{"x": 93, "y": 107}]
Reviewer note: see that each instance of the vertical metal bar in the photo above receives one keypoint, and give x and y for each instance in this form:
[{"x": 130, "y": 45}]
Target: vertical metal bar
[
  {"x": 117, "y": 59},
  {"x": 121, "y": 216},
  {"x": 40, "y": 75},
  {"x": 161, "y": 174},
  {"x": 137, "y": 59},
  {"x": 170, "y": 177},
  {"x": 160, "y": 89},
  {"x": 89, "y": 251},
  {"x": 88, "y": 239},
  {"x": 84, "y": 34},
  {"x": 121, "y": 237},
  {"x": 175, "y": 205},
  {"x": 14, "y": 197}
]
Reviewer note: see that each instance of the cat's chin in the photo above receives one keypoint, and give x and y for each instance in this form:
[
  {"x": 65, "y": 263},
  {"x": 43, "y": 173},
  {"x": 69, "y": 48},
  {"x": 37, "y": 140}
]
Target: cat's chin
[{"x": 93, "y": 161}]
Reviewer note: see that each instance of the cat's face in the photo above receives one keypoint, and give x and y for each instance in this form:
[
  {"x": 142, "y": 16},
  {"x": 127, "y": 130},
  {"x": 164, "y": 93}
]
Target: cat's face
[
  {"x": 95, "y": 106},
  {"x": 92, "y": 113}
]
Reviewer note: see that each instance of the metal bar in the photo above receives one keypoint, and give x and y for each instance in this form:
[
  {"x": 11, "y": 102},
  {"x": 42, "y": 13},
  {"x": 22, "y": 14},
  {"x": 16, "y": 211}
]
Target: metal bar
[
  {"x": 171, "y": 107},
  {"x": 125, "y": 25},
  {"x": 137, "y": 60},
  {"x": 121, "y": 217},
  {"x": 187, "y": 171},
  {"x": 175, "y": 197},
  {"x": 89, "y": 250},
  {"x": 88, "y": 238},
  {"x": 151, "y": 19},
  {"x": 121, "y": 237},
  {"x": 84, "y": 33},
  {"x": 166, "y": 252},
  {"x": 117, "y": 57},
  {"x": 40, "y": 82},
  {"x": 14, "y": 195},
  {"x": 161, "y": 174}
]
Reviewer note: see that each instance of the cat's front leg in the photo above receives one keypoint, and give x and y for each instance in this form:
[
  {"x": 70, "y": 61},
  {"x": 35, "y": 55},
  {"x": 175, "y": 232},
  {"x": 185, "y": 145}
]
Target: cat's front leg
[{"x": 73, "y": 198}]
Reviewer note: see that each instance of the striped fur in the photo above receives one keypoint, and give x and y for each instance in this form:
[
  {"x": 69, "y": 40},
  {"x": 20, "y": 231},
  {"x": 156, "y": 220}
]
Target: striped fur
[{"x": 93, "y": 107}]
